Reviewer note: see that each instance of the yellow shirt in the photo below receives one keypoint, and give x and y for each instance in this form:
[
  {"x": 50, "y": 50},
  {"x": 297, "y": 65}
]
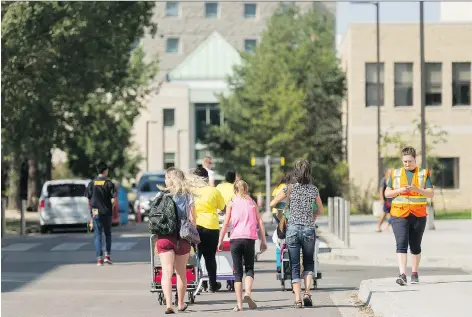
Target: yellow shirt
[
  {"x": 227, "y": 191},
  {"x": 207, "y": 200},
  {"x": 275, "y": 192}
]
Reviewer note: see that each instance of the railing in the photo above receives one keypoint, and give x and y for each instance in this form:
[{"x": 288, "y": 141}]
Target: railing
[{"x": 339, "y": 211}]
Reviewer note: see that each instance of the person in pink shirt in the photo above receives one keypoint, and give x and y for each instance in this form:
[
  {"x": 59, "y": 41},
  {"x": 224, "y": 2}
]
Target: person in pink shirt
[{"x": 243, "y": 213}]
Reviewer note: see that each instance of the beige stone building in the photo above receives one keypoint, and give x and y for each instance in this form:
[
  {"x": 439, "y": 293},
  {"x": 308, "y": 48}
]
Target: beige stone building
[
  {"x": 448, "y": 56},
  {"x": 198, "y": 43}
]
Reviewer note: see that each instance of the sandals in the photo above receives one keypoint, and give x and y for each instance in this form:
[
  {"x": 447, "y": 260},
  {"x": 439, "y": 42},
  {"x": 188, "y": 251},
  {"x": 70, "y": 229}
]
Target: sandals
[
  {"x": 307, "y": 301},
  {"x": 298, "y": 304},
  {"x": 250, "y": 302},
  {"x": 183, "y": 308},
  {"x": 236, "y": 308},
  {"x": 169, "y": 311}
]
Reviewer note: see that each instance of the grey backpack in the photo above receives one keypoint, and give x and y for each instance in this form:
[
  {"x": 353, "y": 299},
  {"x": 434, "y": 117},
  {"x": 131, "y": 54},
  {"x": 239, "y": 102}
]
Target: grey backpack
[{"x": 163, "y": 217}]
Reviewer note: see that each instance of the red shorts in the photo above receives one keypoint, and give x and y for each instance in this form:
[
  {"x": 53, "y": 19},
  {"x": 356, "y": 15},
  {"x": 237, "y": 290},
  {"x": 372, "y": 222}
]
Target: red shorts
[{"x": 169, "y": 243}]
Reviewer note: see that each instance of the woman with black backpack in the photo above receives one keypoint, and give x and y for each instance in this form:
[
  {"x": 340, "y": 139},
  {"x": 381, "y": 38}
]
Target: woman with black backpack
[{"x": 173, "y": 251}]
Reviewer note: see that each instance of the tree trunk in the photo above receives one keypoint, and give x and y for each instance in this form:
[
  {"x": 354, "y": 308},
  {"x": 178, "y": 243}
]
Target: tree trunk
[
  {"x": 14, "y": 186},
  {"x": 32, "y": 204}
]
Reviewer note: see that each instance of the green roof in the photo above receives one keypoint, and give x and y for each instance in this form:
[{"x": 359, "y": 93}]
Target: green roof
[{"x": 213, "y": 59}]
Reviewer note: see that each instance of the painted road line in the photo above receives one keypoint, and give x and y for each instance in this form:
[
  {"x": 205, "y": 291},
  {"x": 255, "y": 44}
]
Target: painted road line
[
  {"x": 69, "y": 246},
  {"x": 18, "y": 247},
  {"x": 122, "y": 246}
]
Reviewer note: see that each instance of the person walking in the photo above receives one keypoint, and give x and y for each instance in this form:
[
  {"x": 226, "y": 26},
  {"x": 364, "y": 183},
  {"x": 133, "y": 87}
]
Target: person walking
[
  {"x": 410, "y": 187},
  {"x": 227, "y": 187},
  {"x": 243, "y": 213},
  {"x": 208, "y": 201},
  {"x": 276, "y": 212},
  {"x": 173, "y": 251},
  {"x": 385, "y": 202},
  {"x": 207, "y": 163},
  {"x": 301, "y": 196},
  {"x": 101, "y": 194}
]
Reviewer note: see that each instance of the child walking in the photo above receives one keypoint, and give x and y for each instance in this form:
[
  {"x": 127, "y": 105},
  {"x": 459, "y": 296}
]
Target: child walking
[{"x": 242, "y": 212}]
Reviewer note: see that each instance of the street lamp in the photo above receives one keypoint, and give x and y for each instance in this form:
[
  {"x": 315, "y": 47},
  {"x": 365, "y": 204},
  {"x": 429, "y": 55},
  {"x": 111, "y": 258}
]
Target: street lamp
[
  {"x": 379, "y": 92},
  {"x": 147, "y": 143}
]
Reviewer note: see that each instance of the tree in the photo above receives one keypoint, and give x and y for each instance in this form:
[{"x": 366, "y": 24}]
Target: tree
[
  {"x": 54, "y": 55},
  {"x": 109, "y": 119},
  {"x": 286, "y": 101}
]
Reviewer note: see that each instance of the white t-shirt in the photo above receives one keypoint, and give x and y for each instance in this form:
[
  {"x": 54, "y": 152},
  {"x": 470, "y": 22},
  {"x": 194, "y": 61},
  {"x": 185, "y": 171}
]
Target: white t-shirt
[{"x": 211, "y": 175}]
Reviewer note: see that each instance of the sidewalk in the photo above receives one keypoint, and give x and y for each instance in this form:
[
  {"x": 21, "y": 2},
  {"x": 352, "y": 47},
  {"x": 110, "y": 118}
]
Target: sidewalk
[
  {"x": 435, "y": 296},
  {"x": 447, "y": 246}
]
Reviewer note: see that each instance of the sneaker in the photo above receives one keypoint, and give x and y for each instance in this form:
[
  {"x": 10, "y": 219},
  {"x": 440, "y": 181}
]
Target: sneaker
[
  {"x": 216, "y": 288},
  {"x": 99, "y": 262},
  {"x": 414, "y": 278},
  {"x": 108, "y": 259},
  {"x": 401, "y": 280}
]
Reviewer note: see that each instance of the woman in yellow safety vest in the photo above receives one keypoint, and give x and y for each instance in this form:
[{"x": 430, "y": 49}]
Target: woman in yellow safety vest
[{"x": 410, "y": 187}]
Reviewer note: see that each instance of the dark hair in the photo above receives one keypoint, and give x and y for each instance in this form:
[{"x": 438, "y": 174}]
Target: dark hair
[
  {"x": 286, "y": 179},
  {"x": 409, "y": 150},
  {"x": 201, "y": 172},
  {"x": 230, "y": 176},
  {"x": 101, "y": 167},
  {"x": 302, "y": 172}
]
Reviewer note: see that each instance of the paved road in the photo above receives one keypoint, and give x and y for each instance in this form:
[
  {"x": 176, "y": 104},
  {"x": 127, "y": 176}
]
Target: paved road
[{"x": 55, "y": 275}]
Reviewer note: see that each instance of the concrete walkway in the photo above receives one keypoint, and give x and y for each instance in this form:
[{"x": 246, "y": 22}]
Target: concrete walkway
[
  {"x": 447, "y": 246},
  {"x": 435, "y": 296}
]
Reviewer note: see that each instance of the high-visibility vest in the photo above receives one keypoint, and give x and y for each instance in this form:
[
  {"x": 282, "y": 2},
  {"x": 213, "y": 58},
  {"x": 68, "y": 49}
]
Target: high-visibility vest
[{"x": 409, "y": 202}]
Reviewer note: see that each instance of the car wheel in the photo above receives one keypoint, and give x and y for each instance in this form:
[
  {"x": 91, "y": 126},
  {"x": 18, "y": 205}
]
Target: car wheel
[{"x": 44, "y": 229}]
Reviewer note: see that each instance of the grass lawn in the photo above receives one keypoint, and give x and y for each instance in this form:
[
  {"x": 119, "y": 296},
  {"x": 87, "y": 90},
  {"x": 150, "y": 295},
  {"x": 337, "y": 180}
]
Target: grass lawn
[
  {"x": 13, "y": 226},
  {"x": 451, "y": 215}
]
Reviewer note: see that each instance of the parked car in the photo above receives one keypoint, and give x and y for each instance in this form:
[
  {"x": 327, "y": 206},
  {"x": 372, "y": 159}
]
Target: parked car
[
  {"x": 146, "y": 189},
  {"x": 62, "y": 204}
]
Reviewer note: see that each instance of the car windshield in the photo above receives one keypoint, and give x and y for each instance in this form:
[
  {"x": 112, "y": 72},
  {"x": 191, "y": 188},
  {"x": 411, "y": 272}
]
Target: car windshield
[
  {"x": 66, "y": 190},
  {"x": 151, "y": 183}
]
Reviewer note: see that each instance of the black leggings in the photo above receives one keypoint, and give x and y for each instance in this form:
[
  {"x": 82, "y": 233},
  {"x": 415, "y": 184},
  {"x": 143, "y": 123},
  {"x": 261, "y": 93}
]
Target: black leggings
[
  {"x": 207, "y": 249},
  {"x": 242, "y": 249},
  {"x": 410, "y": 231}
]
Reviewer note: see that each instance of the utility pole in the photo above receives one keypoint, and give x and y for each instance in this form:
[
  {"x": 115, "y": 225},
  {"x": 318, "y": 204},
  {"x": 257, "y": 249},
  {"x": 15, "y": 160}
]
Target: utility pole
[{"x": 267, "y": 161}]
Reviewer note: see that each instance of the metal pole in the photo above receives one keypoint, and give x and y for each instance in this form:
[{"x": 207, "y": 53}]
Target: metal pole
[
  {"x": 347, "y": 211},
  {"x": 341, "y": 219},
  {"x": 379, "y": 94},
  {"x": 330, "y": 215},
  {"x": 22, "y": 218},
  {"x": 336, "y": 217},
  {"x": 423, "y": 88},
  {"x": 267, "y": 174},
  {"x": 147, "y": 146},
  {"x": 4, "y": 227}
]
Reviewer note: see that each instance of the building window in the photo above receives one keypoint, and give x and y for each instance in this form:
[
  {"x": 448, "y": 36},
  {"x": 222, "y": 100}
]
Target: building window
[
  {"x": 445, "y": 173},
  {"x": 250, "y": 10},
  {"x": 169, "y": 160},
  {"x": 250, "y": 45},
  {"x": 172, "y": 9},
  {"x": 461, "y": 84},
  {"x": 211, "y": 10},
  {"x": 433, "y": 94},
  {"x": 403, "y": 84},
  {"x": 172, "y": 45},
  {"x": 206, "y": 115},
  {"x": 371, "y": 84},
  {"x": 169, "y": 117}
]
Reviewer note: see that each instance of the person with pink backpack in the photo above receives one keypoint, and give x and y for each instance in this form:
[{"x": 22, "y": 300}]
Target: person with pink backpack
[{"x": 243, "y": 213}]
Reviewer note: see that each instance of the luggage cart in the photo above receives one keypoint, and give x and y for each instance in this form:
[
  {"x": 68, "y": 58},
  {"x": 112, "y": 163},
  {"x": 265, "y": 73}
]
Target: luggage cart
[{"x": 192, "y": 272}]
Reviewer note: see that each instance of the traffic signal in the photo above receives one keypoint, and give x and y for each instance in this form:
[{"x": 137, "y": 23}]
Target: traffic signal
[
  {"x": 253, "y": 161},
  {"x": 282, "y": 161}
]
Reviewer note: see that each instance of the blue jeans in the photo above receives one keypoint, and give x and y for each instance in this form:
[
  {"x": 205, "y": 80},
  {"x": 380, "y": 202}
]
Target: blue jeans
[
  {"x": 301, "y": 237},
  {"x": 101, "y": 224}
]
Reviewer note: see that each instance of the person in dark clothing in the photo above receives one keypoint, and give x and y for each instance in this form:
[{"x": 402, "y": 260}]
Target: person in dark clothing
[
  {"x": 101, "y": 194},
  {"x": 386, "y": 202}
]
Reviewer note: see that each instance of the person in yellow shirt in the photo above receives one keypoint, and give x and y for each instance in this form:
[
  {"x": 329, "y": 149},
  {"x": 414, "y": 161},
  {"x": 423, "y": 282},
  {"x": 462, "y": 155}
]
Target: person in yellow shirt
[
  {"x": 280, "y": 186},
  {"x": 208, "y": 200},
  {"x": 227, "y": 188}
]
